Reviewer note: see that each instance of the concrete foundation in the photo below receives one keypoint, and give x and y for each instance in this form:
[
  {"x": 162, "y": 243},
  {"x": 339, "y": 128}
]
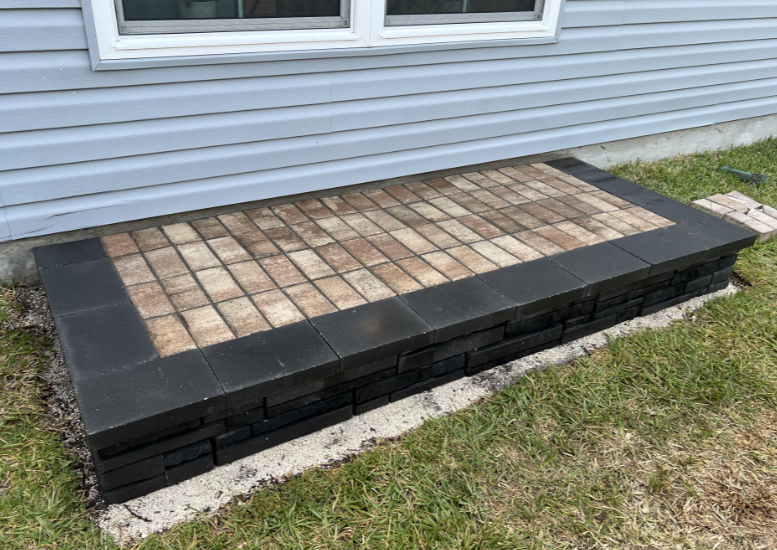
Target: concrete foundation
[{"x": 17, "y": 263}]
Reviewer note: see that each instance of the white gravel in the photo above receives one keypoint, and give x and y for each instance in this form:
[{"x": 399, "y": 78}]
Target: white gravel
[{"x": 209, "y": 493}]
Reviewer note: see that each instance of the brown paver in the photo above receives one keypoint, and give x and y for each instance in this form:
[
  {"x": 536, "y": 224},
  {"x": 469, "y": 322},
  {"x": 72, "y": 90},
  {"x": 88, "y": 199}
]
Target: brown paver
[{"x": 214, "y": 279}]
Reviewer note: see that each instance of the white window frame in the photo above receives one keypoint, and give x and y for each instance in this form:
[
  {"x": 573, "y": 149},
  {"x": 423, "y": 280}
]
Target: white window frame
[{"x": 367, "y": 29}]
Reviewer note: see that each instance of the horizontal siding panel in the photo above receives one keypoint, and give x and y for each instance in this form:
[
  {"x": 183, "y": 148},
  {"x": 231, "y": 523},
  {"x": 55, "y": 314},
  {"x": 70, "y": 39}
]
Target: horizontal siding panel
[
  {"x": 20, "y": 112},
  {"x": 598, "y": 13},
  {"x": 61, "y": 146},
  {"x": 74, "y": 213},
  {"x": 24, "y": 4},
  {"x": 31, "y": 71},
  {"x": 437, "y": 78},
  {"x": 41, "y": 30},
  {"x": 43, "y": 184}
]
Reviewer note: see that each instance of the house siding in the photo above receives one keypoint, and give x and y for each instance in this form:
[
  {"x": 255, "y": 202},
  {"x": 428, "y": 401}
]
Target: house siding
[{"x": 80, "y": 148}]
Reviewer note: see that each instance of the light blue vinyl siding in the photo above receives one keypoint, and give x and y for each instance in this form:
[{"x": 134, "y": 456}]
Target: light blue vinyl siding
[{"x": 80, "y": 148}]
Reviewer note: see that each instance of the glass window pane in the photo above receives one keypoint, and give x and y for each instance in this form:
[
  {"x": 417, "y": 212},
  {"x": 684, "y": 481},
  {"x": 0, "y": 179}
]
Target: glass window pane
[
  {"x": 421, "y": 7},
  {"x": 165, "y": 10}
]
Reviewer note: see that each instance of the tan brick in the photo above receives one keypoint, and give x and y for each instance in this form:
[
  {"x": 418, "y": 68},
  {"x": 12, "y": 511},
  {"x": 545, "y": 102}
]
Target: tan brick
[
  {"x": 165, "y": 262},
  {"x": 285, "y": 239},
  {"x": 652, "y": 217},
  {"x": 472, "y": 260},
  {"x": 206, "y": 326},
  {"x": 448, "y": 266},
  {"x": 442, "y": 186},
  {"x": 277, "y": 308},
  {"x": 310, "y": 264},
  {"x": 121, "y": 244},
  {"x": 258, "y": 244},
  {"x": 180, "y": 233},
  {"x": 361, "y": 225},
  {"x": 580, "y": 233},
  {"x": 631, "y": 219},
  {"x": 198, "y": 256},
  {"x": 481, "y": 226},
  {"x": 265, "y": 219},
  {"x": 515, "y": 174},
  {"x": 365, "y": 252},
  {"x": 561, "y": 208},
  {"x": 540, "y": 212},
  {"x": 359, "y": 202},
  {"x": 465, "y": 200},
  {"x": 460, "y": 232},
  {"x": 508, "y": 195},
  {"x": 429, "y": 212},
  {"x": 449, "y": 207},
  {"x": 218, "y": 284},
  {"x": 309, "y": 300},
  {"x": 413, "y": 240},
  {"x": 229, "y": 250},
  {"x": 596, "y": 202},
  {"x": 504, "y": 223},
  {"x": 422, "y": 272},
  {"x": 338, "y": 206},
  {"x": 562, "y": 186},
  {"x": 340, "y": 293},
  {"x": 384, "y": 220},
  {"x": 407, "y": 216},
  {"x": 423, "y": 190},
  {"x": 518, "y": 249},
  {"x": 312, "y": 234},
  {"x": 314, "y": 209},
  {"x": 577, "y": 204},
  {"x": 612, "y": 199},
  {"x": 242, "y": 317},
  {"x": 289, "y": 213},
  {"x": 381, "y": 198},
  {"x": 735, "y": 204},
  {"x": 150, "y": 300},
  {"x": 480, "y": 179},
  {"x": 338, "y": 258},
  {"x": 717, "y": 210},
  {"x": 489, "y": 199},
  {"x": 542, "y": 167},
  {"x": 389, "y": 246},
  {"x": 184, "y": 292},
  {"x": 337, "y": 229},
  {"x": 497, "y": 176},
  {"x": 531, "y": 171},
  {"x": 237, "y": 223},
  {"x": 399, "y": 281},
  {"x": 169, "y": 335},
  {"x": 538, "y": 243},
  {"x": 282, "y": 271},
  {"x": 495, "y": 254},
  {"x": 150, "y": 239},
  {"x": 437, "y": 236},
  {"x": 522, "y": 217},
  {"x": 462, "y": 183},
  {"x": 402, "y": 194},
  {"x": 210, "y": 228},
  {"x": 528, "y": 192},
  {"x": 368, "y": 285},
  {"x": 572, "y": 180},
  {"x": 251, "y": 277},
  {"x": 544, "y": 188},
  {"x": 616, "y": 224},
  {"x": 599, "y": 228},
  {"x": 565, "y": 241}
]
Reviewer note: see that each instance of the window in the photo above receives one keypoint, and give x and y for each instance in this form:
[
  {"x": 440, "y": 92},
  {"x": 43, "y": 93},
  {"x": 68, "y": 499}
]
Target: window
[{"x": 170, "y": 28}]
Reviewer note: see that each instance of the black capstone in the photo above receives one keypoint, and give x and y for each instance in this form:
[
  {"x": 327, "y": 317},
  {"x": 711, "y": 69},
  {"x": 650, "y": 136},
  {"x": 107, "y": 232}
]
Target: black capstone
[
  {"x": 83, "y": 286},
  {"x": 663, "y": 249},
  {"x": 68, "y": 253},
  {"x": 602, "y": 266}
]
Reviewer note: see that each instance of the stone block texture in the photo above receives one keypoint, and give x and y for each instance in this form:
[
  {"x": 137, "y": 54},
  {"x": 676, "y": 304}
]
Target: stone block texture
[
  {"x": 196, "y": 344},
  {"x": 741, "y": 210}
]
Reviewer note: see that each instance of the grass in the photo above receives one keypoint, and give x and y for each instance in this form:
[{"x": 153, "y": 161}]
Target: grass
[{"x": 665, "y": 439}]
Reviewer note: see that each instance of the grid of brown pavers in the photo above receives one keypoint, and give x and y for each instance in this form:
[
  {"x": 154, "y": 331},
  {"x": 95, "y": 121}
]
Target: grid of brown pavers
[{"x": 214, "y": 279}]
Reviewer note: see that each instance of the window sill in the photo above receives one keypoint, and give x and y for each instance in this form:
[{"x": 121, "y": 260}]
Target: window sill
[{"x": 258, "y": 57}]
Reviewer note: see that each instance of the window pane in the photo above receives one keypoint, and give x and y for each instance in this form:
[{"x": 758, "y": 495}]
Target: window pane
[
  {"x": 421, "y": 7},
  {"x": 165, "y": 10}
]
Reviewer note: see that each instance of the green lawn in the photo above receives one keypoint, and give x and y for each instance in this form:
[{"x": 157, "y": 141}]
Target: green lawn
[{"x": 666, "y": 439}]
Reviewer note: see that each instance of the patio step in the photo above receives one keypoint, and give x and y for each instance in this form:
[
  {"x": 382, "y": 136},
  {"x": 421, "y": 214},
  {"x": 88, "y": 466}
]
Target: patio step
[{"x": 197, "y": 344}]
